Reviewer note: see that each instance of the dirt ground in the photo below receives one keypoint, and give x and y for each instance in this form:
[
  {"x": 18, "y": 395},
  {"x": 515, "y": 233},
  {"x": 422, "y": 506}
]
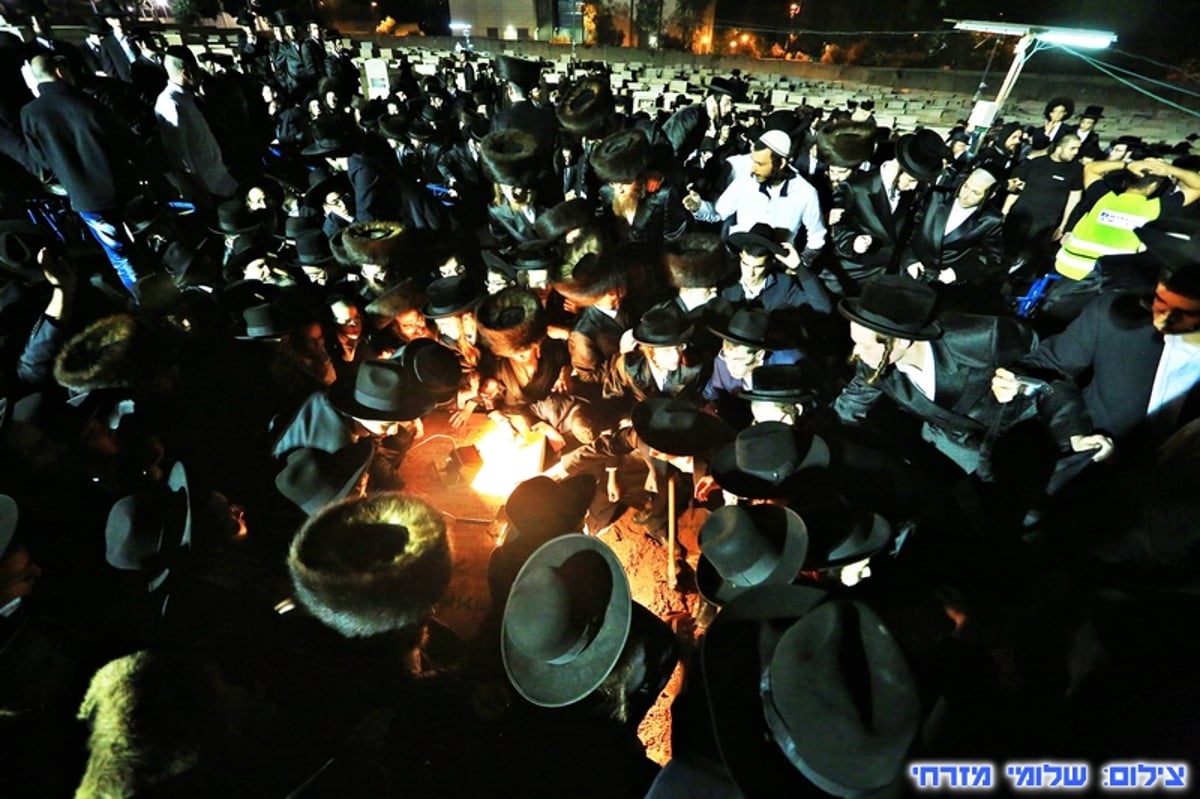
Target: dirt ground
[{"x": 473, "y": 535}]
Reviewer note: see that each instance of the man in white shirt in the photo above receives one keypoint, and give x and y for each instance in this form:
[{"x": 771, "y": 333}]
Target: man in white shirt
[
  {"x": 192, "y": 150},
  {"x": 773, "y": 193}
]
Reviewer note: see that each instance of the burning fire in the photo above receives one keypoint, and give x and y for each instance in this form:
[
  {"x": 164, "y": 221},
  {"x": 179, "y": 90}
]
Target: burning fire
[{"x": 507, "y": 461}]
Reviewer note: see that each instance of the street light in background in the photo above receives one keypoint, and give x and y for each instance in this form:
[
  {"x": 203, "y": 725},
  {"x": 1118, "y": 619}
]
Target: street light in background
[{"x": 986, "y": 111}]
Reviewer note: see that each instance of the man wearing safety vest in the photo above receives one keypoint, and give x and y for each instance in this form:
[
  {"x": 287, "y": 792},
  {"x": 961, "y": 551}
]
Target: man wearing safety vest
[{"x": 1108, "y": 227}]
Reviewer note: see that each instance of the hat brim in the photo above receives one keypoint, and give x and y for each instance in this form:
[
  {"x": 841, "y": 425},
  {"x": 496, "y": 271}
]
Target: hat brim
[
  {"x": 926, "y": 173},
  {"x": 560, "y": 684},
  {"x": 414, "y": 405},
  {"x": 681, "y": 337},
  {"x": 441, "y": 312},
  {"x": 779, "y": 395},
  {"x": 741, "y": 241},
  {"x": 327, "y": 150},
  {"x": 711, "y": 433},
  {"x": 729, "y": 477},
  {"x": 795, "y": 547},
  {"x": 727, "y": 335},
  {"x": 851, "y": 308}
]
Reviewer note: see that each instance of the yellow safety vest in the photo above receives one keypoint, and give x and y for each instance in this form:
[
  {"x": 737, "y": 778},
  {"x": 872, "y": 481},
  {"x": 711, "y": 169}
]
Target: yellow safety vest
[{"x": 1107, "y": 229}]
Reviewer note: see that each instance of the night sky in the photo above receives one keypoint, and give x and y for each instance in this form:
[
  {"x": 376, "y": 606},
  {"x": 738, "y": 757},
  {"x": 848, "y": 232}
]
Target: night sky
[{"x": 1160, "y": 29}]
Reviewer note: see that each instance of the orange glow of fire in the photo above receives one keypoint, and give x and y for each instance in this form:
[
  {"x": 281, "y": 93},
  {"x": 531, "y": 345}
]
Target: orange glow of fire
[{"x": 507, "y": 461}]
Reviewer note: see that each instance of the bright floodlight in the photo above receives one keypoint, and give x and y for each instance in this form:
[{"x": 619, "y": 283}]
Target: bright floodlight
[
  {"x": 460, "y": 26},
  {"x": 1093, "y": 40},
  {"x": 1071, "y": 37}
]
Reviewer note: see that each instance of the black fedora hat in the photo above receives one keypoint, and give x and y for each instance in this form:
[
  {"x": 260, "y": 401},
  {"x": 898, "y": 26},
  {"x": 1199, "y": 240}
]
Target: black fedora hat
[
  {"x": 830, "y": 702},
  {"x": 538, "y": 510},
  {"x": 747, "y": 327},
  {"x": 769, "y": 461},
  {"x": 394, "y": 126},
  {"x": 522, "y": 72},
  {"x": 317, "y": 191},
  {"x": 331, "y": 139},
  {"x": 566, "y": 621},
  {"x": 449, "y": 296},
  {"x": 896, "y": 306},
  {"x": 663, "y": 326},
  {"x": 743, "y": 546},
  {"x": 141, "y": 212},
  {"x": 839, "y": 534},
  {"x": 922, "y": 154},
  {"x": 234, "y": 218},
  {"x": 183, "y": 261},
  {"x": 536, "y": 255},
  {"x": 264, "y": 322},
  {"x": 312, "y": 248},
  {"x": 720, "y": 85},
  {"x": 146, "y": 532},
  {"x": 435, "y": 367},
  {"x": 759, "y": 237},
  {"x": 781, "y": 382},
  {"x": 20, "y": 242},
  {"x": 383, "y": 391},
  {"x": 1065, "y": 102},
  {"x": 678, "y": 427},
  {"x": 1174, "y": 241},
  {"x": 295, "y": 226},
  {"x": 1093, "y": 112},
  {"x": 312, "y": 478}
]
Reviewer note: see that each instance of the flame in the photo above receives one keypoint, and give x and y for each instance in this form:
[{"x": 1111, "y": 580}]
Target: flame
[{"x": 507, "y": 461}]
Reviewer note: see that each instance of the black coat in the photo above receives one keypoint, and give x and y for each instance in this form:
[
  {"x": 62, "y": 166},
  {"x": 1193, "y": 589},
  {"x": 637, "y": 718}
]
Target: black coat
[
  {"x": 595, "y": 337},
  {"x": 973, "y": 250},
  {"x": 115, "y": 62},
  {"x": 86, "y": 148},
  {"x": 963, "y": 413},
  {"x": 867, "y": 213}
]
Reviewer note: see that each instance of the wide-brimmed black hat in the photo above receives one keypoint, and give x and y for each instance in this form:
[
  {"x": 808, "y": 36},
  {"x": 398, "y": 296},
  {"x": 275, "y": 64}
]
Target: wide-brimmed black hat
[
  {"x": 97, "y": 25},
  {"x": 312, "y": 478},
  {"x": 826, "y": 701},
  {"x": 896, "y": 306},
  {"x": 315, "y": 196},
  {"x": 769, "y": 461},
  {"x": 383, "y": 391},
  {"x": 922, "y": 154},
  {"x": 1065, "y": 102},
  {"x": 566, "y": 620},
  {"x": 330, "y": 140},
  {"x": 264, "y": 322},
  {"x": 1093, "y": 112},
  {"x": 720, "y": 85},
  {"x": 747, "y": 327},
  {"x": 371, "y": 565},
  {"x": 312, "y": 248},
  {"x": 520, "y": 71},
  {"x": 677, "y": 426},
  {"x": 536, "y": 255},
  {"x": 663, "y": 326},
  {"x": 742, "y": 546},
  {"x": 234, "y": 218},
  {"x": 622, "y": 156},
  {"x": 20, "y": 242},
  {"x": 538, "y": 510},
  {"x": 781, "y": 382},
  {"x": 586, "y": 108},
  {"x": 146, "y": 532},
  {"x": 182, "y": 260},
  {"x": 434, "y": 366},
  {"x": 449, "y": 296},
  {"x": 839, "y": 534},
  {"x": 511, "y": 157},
  {"x": 759, "y": 237},
  {"x": 141, "y": 212},
  {"x": 295, "y": 226},
  {"x": 1174, "y": 241}
]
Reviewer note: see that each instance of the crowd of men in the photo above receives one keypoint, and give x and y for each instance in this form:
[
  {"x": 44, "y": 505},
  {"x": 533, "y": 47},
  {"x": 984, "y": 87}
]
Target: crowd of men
[{"x": 233, "y": 287}]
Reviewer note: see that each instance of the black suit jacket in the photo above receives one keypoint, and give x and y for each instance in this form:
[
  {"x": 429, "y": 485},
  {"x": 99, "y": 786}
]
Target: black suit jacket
[
  {"x": 963, "y": 412},
  {"x": 973, "y": 250},
  {"x": 594, "y": 338},
  {"x": 867, "y": 213},
  {"x": 1110, "y": 354},
  {"x": 116, "y": 64}
]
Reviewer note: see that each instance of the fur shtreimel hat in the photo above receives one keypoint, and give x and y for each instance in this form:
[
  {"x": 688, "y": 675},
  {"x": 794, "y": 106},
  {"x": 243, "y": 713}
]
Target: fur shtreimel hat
[
  {"x": 846, "y": 144},
  {"x": 587, "y": 106},
  {"x": 371, "y": 565},
  {"x": 563, "y": 218},
  {"x": 695, "y": 261},
  {"x": 591, "y": 279},
  {"x": 99, "y": 356},
  {"x": 511, "y": 320},
  {"x": 373, "y": 242},
  {"x": 510, "y": 157},
  {"x": 621, "y": 157}
]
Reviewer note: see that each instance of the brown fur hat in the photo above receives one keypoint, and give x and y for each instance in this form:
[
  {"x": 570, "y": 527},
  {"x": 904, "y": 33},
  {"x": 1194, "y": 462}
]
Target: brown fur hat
[
  {"x": 695, "y": 261},
  {"x": 591, "y": 278},
  {"x": 371, "y": 565},
  {"x": 563, "y": 218},
  {"x": 161, "y": 719},
  {"x": 846, "y": 144},
  {"x": 374, "y": 242},
  {"x": 511, "y": 320},
  {"x": 587, "y": 106},
  {"x": 510, "y": 157},
  {"x": 621, "y": 157},
  {"x": 102, "y": 355}
]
